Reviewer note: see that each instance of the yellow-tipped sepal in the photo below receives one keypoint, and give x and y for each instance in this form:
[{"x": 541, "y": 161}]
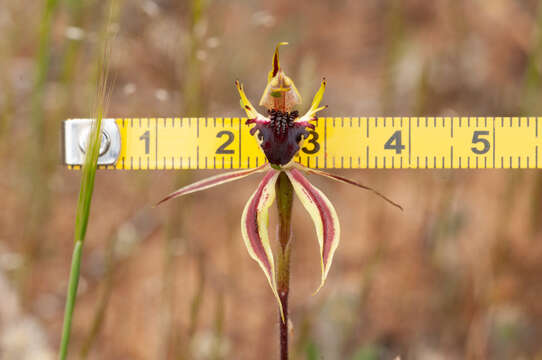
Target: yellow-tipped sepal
[
  {"x": 246, "y": 104},
  {"x": 275, "y": 65},
  {"x": 311, "y": 114}
]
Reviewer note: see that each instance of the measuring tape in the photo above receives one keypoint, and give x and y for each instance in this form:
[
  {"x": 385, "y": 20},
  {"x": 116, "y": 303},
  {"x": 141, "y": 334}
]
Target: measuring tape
[{"x": 336, "y": 142}]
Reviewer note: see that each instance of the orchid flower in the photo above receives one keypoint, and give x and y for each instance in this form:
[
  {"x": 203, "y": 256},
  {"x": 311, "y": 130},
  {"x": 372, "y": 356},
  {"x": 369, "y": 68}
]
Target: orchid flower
[{"x": 280, "y": 134}]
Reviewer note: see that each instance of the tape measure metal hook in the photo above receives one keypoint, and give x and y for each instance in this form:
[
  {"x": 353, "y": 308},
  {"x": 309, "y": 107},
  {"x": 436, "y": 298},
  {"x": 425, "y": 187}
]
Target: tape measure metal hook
[{"x": 75, "y": 141}]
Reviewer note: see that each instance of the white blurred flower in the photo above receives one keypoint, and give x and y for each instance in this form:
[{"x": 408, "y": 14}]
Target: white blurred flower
[
  {"x": 114, "y": 29},
  {"x": 10, "y": 261},
  {"x": 129, "y": 89},
  {"x": 127, "y": 240},
  {"x": 74, "y": 33},
  {"x": 21, "y": 337},
  {"x": 263, "y": 18},
  {"x": 150, "y": 8},
  {"x": 213, "y": 42},
  {"x": 161, "y": 94},
  {"x": 201, "y": 55},
  {"x": 206, "y": 344},
  {"x": 24, "y": 339}
]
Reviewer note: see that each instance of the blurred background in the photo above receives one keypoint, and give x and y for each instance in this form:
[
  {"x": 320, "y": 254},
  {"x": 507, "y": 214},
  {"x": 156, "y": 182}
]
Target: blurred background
[{"x": 457, "y": 275}]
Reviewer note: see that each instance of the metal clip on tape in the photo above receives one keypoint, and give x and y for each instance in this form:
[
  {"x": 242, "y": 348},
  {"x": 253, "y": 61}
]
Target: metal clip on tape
[{"x": 75, "y": 141}]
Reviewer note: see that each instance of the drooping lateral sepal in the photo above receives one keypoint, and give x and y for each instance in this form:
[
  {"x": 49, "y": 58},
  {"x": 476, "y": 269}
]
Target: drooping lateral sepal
[
  {"x": 254, "y": 228},
  {"x": 213, "y": 181},
  {"x": 323, "y": 215},
  {"x": 348, "y": 181}
]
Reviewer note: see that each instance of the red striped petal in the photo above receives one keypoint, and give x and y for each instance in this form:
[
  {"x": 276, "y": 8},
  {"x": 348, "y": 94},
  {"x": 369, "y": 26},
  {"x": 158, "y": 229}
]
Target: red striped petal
[
  {"x": 254, "y": 224},
  {"x": 213, "y": 181},
  {"x": 323, "y": 216}
]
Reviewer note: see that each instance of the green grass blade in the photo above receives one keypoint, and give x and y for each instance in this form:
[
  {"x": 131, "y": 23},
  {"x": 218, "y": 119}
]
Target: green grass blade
[
  {"x": 70, "y": 300},
  {"x": 87, "y": 180},
  {"x": 83, "y": 204},
  {"x": 312, "y": 352},
  {"x": 81, "y": 222},
  {"x": 43, "y": 60}
]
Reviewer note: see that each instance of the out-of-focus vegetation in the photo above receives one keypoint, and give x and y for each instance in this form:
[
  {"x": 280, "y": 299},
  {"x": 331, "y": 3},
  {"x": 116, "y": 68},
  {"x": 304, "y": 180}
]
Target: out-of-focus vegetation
[{"x": 455, "y": 276}]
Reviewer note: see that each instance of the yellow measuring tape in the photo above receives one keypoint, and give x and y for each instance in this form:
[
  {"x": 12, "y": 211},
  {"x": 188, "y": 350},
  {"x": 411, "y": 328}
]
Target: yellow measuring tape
[{"x": 336, "y": 142}]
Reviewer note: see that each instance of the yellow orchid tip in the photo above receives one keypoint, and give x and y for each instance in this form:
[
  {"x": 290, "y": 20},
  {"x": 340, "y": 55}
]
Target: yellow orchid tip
[
  {"x": 276, "y": 63},
  {"x": 282, "y": 317},
  {"x": 319, "y": 288},
  {"x": 282, "y": 43}
]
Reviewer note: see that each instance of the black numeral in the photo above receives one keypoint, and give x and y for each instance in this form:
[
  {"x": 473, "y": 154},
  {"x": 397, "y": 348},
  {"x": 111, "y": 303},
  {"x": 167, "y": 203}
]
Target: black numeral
[
  {"x": 394, "y": 143},
  {"x": 477, "y": 139},
  {"x": 313, "y": 139},
  {"x": 147, "y": 139},
  {"x": 229, "y": 139}
]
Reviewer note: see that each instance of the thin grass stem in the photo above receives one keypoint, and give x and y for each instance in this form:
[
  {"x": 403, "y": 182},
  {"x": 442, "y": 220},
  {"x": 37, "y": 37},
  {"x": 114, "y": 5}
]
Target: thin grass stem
[
  {"x": 85, "y": 193},
  {"x": 81, "y": 222},
  {"x": 70, "y": 300},
  {"x": 101, "y": 308},
  {"x": 37, "y": 173}
]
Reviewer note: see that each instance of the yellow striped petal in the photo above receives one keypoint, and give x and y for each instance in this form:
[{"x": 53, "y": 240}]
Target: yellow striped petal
[
  {"x": 254, "y": 224},
  {"x": 323, "y": 215}
]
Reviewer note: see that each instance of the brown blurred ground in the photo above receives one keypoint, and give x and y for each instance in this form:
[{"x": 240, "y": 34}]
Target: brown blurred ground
[{"x": 455, "y": 276}]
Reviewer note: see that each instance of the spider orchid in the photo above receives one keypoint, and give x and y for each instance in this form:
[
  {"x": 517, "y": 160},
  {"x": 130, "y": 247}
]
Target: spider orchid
[{"x": 280, "y": 135}]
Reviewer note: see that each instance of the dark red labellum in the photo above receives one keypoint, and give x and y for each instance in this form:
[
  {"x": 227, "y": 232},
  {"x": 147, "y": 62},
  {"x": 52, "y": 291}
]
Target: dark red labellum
[{"x": 280, "y": 136}]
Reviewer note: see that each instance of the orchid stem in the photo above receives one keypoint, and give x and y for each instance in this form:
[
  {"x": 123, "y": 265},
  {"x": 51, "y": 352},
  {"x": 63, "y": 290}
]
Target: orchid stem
[{"x": 284, "y": 191}]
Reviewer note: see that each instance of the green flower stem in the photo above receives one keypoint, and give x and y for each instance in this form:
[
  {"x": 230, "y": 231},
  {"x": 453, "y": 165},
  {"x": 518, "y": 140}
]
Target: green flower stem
[{"x": 285, "y": 191}]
